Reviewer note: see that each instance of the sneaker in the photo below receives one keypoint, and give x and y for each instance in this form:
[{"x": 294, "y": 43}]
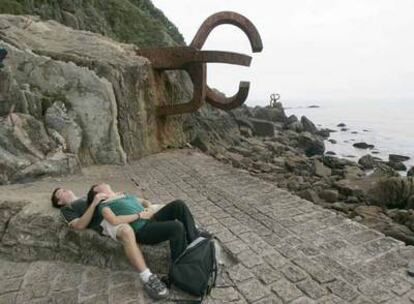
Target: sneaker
[{"x": 155, "y": 288}]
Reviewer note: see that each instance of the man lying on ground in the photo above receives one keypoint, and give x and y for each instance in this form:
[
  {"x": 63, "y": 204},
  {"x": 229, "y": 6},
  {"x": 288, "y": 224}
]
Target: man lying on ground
[
  {"x": 79, "y": 215},
  {"x": 173, "y": 222}
]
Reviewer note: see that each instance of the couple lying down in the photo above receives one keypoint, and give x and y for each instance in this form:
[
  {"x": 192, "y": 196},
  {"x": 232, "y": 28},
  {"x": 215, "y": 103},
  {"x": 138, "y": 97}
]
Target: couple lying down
[{"x": 130, "y": 220}]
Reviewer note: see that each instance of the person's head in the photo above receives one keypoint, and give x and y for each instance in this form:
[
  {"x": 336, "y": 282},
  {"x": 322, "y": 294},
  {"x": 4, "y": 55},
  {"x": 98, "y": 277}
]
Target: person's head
[
  {"x": 99, "y": 188},
  {"x": 61, "y": 197}
]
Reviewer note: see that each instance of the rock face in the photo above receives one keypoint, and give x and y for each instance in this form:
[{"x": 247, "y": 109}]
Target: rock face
[{"x": 79, "y": 99}]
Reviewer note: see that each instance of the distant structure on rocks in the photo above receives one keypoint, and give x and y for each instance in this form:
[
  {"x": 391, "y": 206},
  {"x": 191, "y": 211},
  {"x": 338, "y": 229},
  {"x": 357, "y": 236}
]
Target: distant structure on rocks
[{"x": 274, "y": 98}]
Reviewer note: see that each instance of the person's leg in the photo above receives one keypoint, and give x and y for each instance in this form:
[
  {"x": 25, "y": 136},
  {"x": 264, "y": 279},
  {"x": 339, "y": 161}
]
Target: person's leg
[
  {"x": 155, "y": 232},
  {"x": 178, "y": 210},
  {"x": 125, "y": 234}
]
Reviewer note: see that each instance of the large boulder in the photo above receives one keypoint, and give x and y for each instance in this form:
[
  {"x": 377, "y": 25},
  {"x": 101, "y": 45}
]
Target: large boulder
[
  {"x": 274, "y": 114},
  {"x": 311, "y": 144},
  {"x": 392, "y": 192},
  {"x": 308, "y": 125},
  {"x": 368, "y": 161}
]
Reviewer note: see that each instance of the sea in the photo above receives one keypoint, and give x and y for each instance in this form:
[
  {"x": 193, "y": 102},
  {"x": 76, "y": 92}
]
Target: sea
[{"x": 387, "y": 125}]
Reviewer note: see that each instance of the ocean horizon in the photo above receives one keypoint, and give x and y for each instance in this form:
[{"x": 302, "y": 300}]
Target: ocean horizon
[{"x": 388, "y": 126}]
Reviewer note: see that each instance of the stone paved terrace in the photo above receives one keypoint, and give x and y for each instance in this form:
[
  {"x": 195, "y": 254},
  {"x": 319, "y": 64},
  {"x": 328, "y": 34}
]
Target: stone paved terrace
[{"x": 285, "y": 249}]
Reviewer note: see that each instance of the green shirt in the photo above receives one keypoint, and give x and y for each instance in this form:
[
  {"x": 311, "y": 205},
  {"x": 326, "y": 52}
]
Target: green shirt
[{"x": 126, "y": 205}]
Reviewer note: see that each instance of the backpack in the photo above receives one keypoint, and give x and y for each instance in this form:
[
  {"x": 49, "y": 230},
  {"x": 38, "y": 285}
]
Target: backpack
[{"x": 195, "y": 270}]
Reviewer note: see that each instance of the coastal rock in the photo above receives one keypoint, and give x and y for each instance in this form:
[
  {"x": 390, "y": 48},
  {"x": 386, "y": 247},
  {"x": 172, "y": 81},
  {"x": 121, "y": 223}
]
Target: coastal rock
[
  {"x": 363, "y": 145},
  {"x": 396, "y": 158},
  {"x": 309, "y": 195},
  {"x": 262, "y": 127},
  {"x": 325, "y": 133},
  {"x": 368, "y": 161},
  {"x": 330, "y": 153},
  {"x": 410, "y": 172},
  {"x": 341, "y": 125},
  {"x": 58, "y": 118},
  {"x": 311, "y": 144},
  {"x": 308, "y": 125},
  {"x": 349, "y": 188},
  {"x": 334, "y": 162},
  {"x": 108, "y": 92},
  {"x": 376, "y": 218},
  {"x": 274, "y": 114},
  {"x": 392, "y": 192},
  {"x": 320, "y": 169},
  {"x": 295, "y": 126},
  {"x": 329, "y": 195},
  {"x": 382, "y": 170},
  {"x": 291, "y": 119},
  {"x": 352, "y": 172},
  {"x": 399, "y": 166}
]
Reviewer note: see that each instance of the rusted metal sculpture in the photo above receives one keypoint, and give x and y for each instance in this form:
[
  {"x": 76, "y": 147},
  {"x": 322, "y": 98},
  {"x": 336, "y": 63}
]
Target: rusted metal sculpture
[
  {"x": 274, "y": 98},
  {"x": 193, "y": 60}
]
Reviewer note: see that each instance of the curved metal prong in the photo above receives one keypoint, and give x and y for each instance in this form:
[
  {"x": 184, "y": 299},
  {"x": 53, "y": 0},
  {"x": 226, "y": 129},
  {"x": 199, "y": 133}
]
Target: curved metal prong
[
  {"x": 198, "y": 75},
  {"x": 178, "y": 57},
  {"x": 227, "y": 103},
  {"x": 228, "y": 18}
]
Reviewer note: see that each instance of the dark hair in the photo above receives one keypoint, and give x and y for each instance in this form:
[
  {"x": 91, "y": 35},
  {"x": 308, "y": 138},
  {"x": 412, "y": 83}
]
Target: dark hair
[
  {"x": 55, "y": 200},
  {"x": 91, "y": 195}
]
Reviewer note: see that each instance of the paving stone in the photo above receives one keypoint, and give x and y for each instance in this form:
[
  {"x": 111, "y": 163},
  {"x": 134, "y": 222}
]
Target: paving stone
[
  {"x": 266, "y": 274},
  {"x": 239, "y": 273},
  {"x": 227, "y": 294},
  {"x": 253, "y": 290},
  {"x": 275, "y": 260},
  {"x": 273, "y": 299},
  {"x": 249, "y": 258},
  {"x": 236, "y": 246},
  {"x": 293, "y": 273},
  {"x": 316, "y": 271},
  {"x": 312, "y": 289},
  {"x": 303, "y": 300},
  {"x": 342, "y": 290},
  {"x": 286, "y": 290}
]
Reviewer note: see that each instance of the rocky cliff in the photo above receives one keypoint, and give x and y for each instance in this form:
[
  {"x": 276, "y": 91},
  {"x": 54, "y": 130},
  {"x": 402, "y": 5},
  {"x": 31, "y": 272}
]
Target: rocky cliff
[{"x": 71, "y": 98}]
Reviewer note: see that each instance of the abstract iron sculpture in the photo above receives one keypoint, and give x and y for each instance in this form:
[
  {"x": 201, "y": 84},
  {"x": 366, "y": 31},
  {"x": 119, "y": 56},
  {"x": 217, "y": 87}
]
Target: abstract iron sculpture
[
  {"x": 193, "y": 60},
  {"x": 274, "y": 98}
]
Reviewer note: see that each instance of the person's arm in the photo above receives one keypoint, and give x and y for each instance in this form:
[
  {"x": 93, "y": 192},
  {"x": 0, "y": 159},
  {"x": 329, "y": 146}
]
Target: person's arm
[
  {"x": 144, "y": 202},
  {"x": 118, "y": 219},
  {"x": 83, "y": 221}
]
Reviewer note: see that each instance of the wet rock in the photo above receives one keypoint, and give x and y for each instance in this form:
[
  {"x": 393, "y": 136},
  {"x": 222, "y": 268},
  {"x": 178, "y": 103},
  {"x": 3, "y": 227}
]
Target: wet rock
[
  {"x": 341, "y": 125},
  {"x": 330, "y": 153},
  {"x": 312, "y": 145},
  {"x": 395, "y": 158},
  {"x": 363, "y": 145},
  {"x": 332, "y": 141},
  {"x": 368, "y": 161},
  {"x": 344, "y": 129},
  {"x": 399, "y": 166},
  {"x": 325, "y": 133},
  {"x": 410, "y": 172}
]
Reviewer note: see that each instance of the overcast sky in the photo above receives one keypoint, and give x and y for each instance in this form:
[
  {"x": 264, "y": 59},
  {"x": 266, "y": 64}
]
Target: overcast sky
[{"x": 314, "y": 50}]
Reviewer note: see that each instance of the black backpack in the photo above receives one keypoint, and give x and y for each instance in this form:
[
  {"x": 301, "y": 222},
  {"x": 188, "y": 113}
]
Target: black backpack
[{"x": 195, "y": 270}]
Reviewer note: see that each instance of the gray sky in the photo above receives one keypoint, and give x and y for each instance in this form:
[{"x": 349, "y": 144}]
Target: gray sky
[{"x": 315, "y": 51}]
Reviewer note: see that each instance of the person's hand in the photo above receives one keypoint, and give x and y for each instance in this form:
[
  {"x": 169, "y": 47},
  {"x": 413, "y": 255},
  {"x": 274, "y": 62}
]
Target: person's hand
[
  {"x": 99, "y": 198},
  {"x": 146, "y": 214}
]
